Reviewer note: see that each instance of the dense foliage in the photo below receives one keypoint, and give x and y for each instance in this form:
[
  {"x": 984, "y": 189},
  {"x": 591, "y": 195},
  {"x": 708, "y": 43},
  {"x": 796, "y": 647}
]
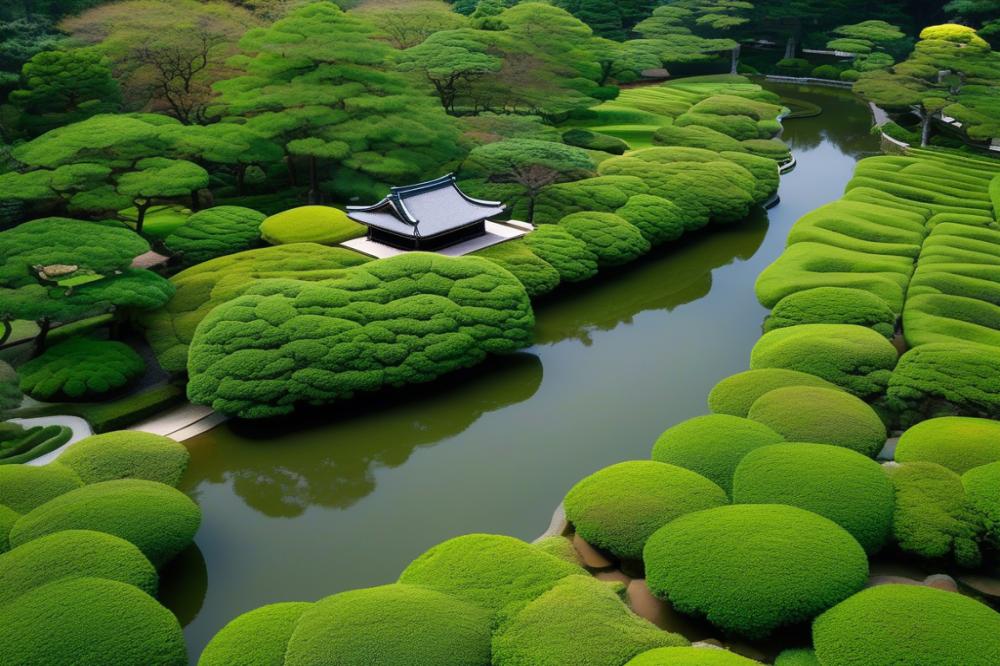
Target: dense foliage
[{"x": 80, "y": 369}]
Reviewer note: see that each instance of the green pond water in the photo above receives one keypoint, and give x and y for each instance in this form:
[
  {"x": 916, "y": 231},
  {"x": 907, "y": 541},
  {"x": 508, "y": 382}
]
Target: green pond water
[{"x": 346, "y": 497}]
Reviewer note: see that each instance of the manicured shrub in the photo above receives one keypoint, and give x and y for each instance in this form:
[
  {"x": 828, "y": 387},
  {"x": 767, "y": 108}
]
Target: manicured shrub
[
  {"x": 127, "y": 454},
  {"x": 736, "y": 393},
  {"x": 585, "y": 138},
  {"x": 958, "y": 443},
  {"x": 214, "y": 232},
  {"x": 712, "y": 445},
  {"x": 947, "y": 318},
  {"x": 982, "y": 490},
  {"x": 861, "y": 226},
  {"x": 696, "y": 136},
  {"x": 19, "y": 445},
  {"x": 391, "y": 624},
  {"x": 24, "y": 487},
  {"x": 794, "y": 66},
  {"x": 310, "y": 224},
  {"x": 80, "y": 369},
  {"x": 487, "y": 570},
  {"x": 7, "y": 519},
  {"x": 733, "y": 105},
  {"x": 738, "y": 127},
  {"x": 605, "y": 194},
  {"x": 613, "y": 240},
  {"x": 158, "y": 519},
  {"x": 763, "y": 169},
  {"x": 834, "y": 482},
  {"x": 537, "y": 275},
  {"x": 752, "y": 568},
  {"x": 90, "y": 621},
  {"x": 797, "y": 657},
  {"x": 73, "y": 554},
  {"x": 10, "y": 390},
  {"x": 255, "y": 638},
  {"x": 853, "y": 357},
  {"x": 579, "y": 621},
  {"x": 403, "y": 320},
  {"x": 822, "y": 416},
  {"x": 772, "y": 148},
  {"x": 833, "y": 305},
  {"x": 690, "y": 656},
  {"x": 617, "y": 508},
  {"x": 566, "y": 253},
  {"x": 908, "y": 624},
  {"x": 558, "y": 546},
  {"x": 826, "y": 72},
  {"x": 850, "y": 75},
  {"x": 658, "y": 219}
]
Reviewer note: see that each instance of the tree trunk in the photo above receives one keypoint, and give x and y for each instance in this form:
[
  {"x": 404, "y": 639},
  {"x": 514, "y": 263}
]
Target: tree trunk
[
  {"x": 293, "y": 175},
  {"x": 735, "y": 60},
  {"x": 313, "y": 181},
  {"x": 925, "y": 129},
  {"x": 790, "y": 47},
  {"x": 8, "y": 328},
  {"x": 44, "y": 326},
  {"x": 531, "y": 207},
  {"x": 241, "y": 178},
  {"x": 140, "y": 216}
]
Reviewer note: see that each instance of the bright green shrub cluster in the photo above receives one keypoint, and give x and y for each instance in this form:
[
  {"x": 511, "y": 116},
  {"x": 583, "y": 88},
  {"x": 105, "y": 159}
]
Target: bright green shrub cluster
[
  {"x": 797, "y": 657},
  {"x": 956, "y": 442},
  {"x": 310, "y": 224},
  {"x": 735, "y": 126},
  {"x": 604, "y": 194},
  {"x": 591, "y": 140},
  {"x": 24, "y": 487},
  {"x": 752, "y": 568},
  {"x": 770, "y": 148},
  {"x": 982, "y": 490},
  {"x": 696, "y": 136},
  {"x": 908, "y": 624},
  {"x": 579, "y": 621},
  {"x": 864, "y": 227},
  {"x": 19, "y": 444},
  {"x": 537, "y": 275},
  {"x": 617, "y": 508},
  {"x": 257, "y": 637},
  {"x": 732, "y": 105},
  {"x": 763, "y": 169},
  {"x": 127, "y": 454},
  {"x": 80, "y": 369},
  {"x": 821, "y": 416},
  {"x": 833, "y": 305},
  {"x": 560, "y": 547},
  {"x": 834, "y": 482},
  {"x": 569, "y": 255},
  {"x": 658, "y": 219},
  {"x": 10, "y": 390},
  {"x": 736, "y": 393},
  {"x": 712, "y": 445},
  {"x": 690, "y": 656},
  {"x": 961, "y": 378},
  {"x": 853, "y": 357},
  {"x": 214, "y": 232},
  {"x": 613, "y": 240}
]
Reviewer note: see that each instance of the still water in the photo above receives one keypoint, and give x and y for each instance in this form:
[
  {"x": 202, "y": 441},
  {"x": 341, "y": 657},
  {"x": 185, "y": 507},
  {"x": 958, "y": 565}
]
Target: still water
[{"x": 312, "y": 505}]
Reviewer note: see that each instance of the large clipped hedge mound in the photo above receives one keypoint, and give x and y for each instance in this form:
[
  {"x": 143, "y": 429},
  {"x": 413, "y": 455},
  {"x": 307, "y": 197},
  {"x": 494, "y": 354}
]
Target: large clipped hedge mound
[
  {"x": 961, "y": 378},
  {"x": 612, "y": 240},
  {"x": 956, "y": 442},
  {"x": 7, "y": 519},
  {"x": 73, "y": 554},
  {"x": 127, "y": 454},
  {"x": 736, "y": 393},
  {"x": 257, "y": 637},
  {"x": 908, "y": 624},
  {"x": 10, "y": 390},
  {"x": 605, "y": 194},
  {"x": 403, "y": 320},
  {"x": 310, "y": 224},
  {"x": 90, "y": 622},
  {"x": 24, "y": 487},
  {"x": 619, "y": 507},
  {"x": 392, "y": 624},
  {"x": 690, "y": 656},
  {"x": 834, "y": 482},
  {"x": 19, "y": 444},
  {"x": 658, "y": 219},
  {"x": 933, "y": 517},
  {"x": 579, "y": 621},
  {"x": 214, "y": 232},
  {"x": 487, "y": 570},
  {"x": 853, "y": 357},
  {"x": 822, "y": 416},
  {"x": 712, "y": 445},
  {"x": 160, "y": 520},
  {"x": 537, "y": 275},
  {"x": 751, "y": 568},
  {"x": 566, "y": 253},
  {"x": 80, "y": 369},
  {"x": 833, "y": 305},
  {"x": 797, "y": 657},
  {"x": 982, "y": 490}
]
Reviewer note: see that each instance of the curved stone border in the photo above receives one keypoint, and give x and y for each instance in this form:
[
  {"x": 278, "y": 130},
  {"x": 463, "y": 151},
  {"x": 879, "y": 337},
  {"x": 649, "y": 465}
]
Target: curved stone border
[{"x": 808, "y": 80}]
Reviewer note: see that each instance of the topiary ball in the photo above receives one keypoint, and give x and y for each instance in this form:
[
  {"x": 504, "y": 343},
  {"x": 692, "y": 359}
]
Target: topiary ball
[
  {"x": 392, "y": 624},
  {"x": 310, "y": 224},
  {"x": 833, "y": 305},
  {"x": 712, "y": 445},
  {"x": 752, "y": 568},
  {"x": 834, "y": 482},
  {"x": 982, "y": 489},
  {"x": 24, "y": 487},
  {"x": 690, "y": 656},
  {"x": 822, "y": 416},
  {"x": 734, "y": 394},
  {"x": 956, "y": 442},
  {"x": 908, "y": 624},
  {"x": 613, "y": 240},
  {"x": 259, "y": 636},
  {"x": 127, "y": 454},
  {"x": 617, "y": 508}
]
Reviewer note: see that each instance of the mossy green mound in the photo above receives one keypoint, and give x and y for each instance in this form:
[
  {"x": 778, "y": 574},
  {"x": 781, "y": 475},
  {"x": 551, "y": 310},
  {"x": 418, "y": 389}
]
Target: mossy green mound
[
  {"x": 579, "y": 621},
  {"x": 690, "y": 656},
  {"x": 7, "y": 519},
  {"x": 90, "y": 622},
  {"x": 537, "y": 275},
  {"x": 80, "y": 369},
  {"x": 604, "y": 194},
  {"x": 24, "y": 487},
  {"x": 566, "y": 253},
  {"x": 559, "y": 546},
  {"x": 908, "y": 624},
  {"x": 822, "y": 416},
  {"x": 712, "y": 445},
  {"x": 833, "y": 305},
  {"x": 752, "y": 568},
  {"x": 619, "y": 507},
  {"x": 160, "y": 520},
  {"x": 658, "y": 219},
  {"x": 487, "y": 570},
  {"x": 127, "y": 454},
  {"x": 20, "y": 445},
  {"x": 736, "y": 393},
  {"x": 797, "y": 657},
  {"x": 834, "y": 482},
  {"x": 982, "y": 490},
  {"x": 612, "y": 240},
  {"x": 392, "y": 624},
  {"x": 73, "y": 554},
  {"x": 255, "y": 638},
  {"x": 215, "y": 232},
  {"x": 956, "y": 442},
  {"x": 310, "y": 224}
]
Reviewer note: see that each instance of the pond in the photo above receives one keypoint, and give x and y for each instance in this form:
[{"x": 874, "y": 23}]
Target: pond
[{"x": 345, "y": 497}]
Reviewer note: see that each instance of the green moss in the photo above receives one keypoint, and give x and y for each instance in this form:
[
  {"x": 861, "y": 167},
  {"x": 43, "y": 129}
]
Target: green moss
[
  {"x": 834, "y": 482},
  {"x": 821, "y": 416},
  {"x": 310, "y": 224},
  {"x": 90, "y": 621},
  {"x": 158, "y": 519},
  {"x": 559, "y": 546},
  {"x": 658, "y": 219},
  {"x": 605, "y": 194},
  {"x": 214, "y": 232},
  {"x": 591, "y": 140},
  {"x": 487, "y": 570},
  {"x": 908, "y": 624},
  {"x": 257, "y": 638},
  {"x": 797, "y": 657},
  {"x": 612, "y": 240},
  {"x": 24, "y": 487},
  {"x": 750, "y": 569},
  {"x": 7, "y": 519},
  {"x": 537, "y": 275},
  {"x": 690, "y": 656},
  {"x": 958, "y": 443},
  {"x": 127, "y": 454},
  {"x": 579, "y": 621},
  {"x": 735, "y": 394},
  {"x": 80, "y": 369},
  {"x": 982, "y": 490},
  {"x": 19, "y": 445},
  {"x": 712, "y": 445},
  {"x": 833, "y": 305},
  {"x": 566, "y": 253},
  {"x": 617, "y": 508},
  {"x": 853, "y": 357}
]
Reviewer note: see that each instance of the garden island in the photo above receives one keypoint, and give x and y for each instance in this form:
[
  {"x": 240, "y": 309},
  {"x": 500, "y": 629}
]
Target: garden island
[{"x": 487, "y": 332}]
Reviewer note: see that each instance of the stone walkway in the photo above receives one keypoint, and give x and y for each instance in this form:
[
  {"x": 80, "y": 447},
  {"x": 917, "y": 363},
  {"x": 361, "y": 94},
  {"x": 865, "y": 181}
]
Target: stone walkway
[{"x": 181, "y": 423}]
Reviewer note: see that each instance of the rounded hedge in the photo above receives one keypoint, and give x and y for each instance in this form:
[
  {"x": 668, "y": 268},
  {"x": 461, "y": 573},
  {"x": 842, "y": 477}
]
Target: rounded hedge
[
  {"x": 956, "y": 442},
  {"x": 833, "y": 305},
  {"x": 834, "y": 482},
  {"x": 160, "y": 520},
  {"x": 257, "y": 637},
  {"x": 751, "y": 568},
  {"x": 7, "y": 519},
  {"x": 712, "y": 445},
  {"x": 579, "y": 621},
  {"x": 613, "y": 240},
  {"x": 658, "y": 219},
  {"x": 310, "y": 224},
  {"x": 536, "y": 274},
  {"x": 735, "y": 394},
  {"x": 215, "y": 232},
  {"x": 391, "y": 624},
  {"x": 80, "y": 369},
  {"x": 73, "y": 554},
  {"x": 797, "y": 657},
  {"x": 982, "y": 489},
  {"x": 690, "y": 656},
  {"x": 127, "y": 454},
  {"x": 908, "y": 624},
  {"x": 24, "y": 487},
  {"x": 822, "y": 416},
  {"x": 20, "y": 445},
  {"x": 566, "y": 253},
  {"x": 617, "y": 508}
]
